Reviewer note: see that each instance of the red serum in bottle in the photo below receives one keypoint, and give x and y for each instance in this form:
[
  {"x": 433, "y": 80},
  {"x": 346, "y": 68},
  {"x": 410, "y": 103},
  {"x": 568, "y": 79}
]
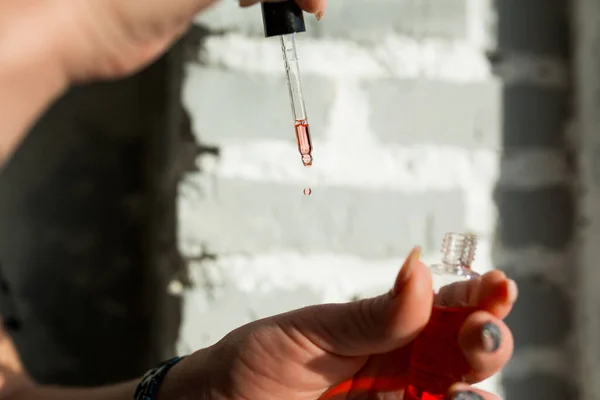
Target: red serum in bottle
[{"x": 437, "y": 361}]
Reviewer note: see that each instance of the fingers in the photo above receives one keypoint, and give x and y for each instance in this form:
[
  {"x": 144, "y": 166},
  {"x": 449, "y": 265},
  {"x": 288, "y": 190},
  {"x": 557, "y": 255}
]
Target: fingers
[
  {"x": 460, "y": 391},
  {"x": 316, "y": 7},
  {"x": 376, "y": 325},
  {"x": 496, "y": 294},
  {"x": 492, "y": 292},
  {"x": 248, "y": 3},
  {"x": 487, "y": 344},
  {"x": 313, "y": 6}
]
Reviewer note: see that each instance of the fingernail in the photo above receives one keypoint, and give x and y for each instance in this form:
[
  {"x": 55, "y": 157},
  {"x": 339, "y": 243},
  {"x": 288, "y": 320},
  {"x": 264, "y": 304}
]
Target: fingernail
[
  {"x": 247, "y": 3},
  {"x": 406, "y": 270},
  {"x": 491, "y": 337},
  {"x": 466, "y": 396},
  {"x": 513, "y": 290},
  {"x": 319, "y": 15}
]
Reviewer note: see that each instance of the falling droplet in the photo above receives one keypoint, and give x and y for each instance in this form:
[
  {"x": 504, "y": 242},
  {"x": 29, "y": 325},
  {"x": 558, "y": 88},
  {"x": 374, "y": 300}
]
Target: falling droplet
[
  {"x": 307, "y": 191},
  {"x": 307, "y": 160}
]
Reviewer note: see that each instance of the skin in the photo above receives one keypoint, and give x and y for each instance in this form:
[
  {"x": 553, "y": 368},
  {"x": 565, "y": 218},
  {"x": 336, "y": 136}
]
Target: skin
[{"x": 302, "y": 355}]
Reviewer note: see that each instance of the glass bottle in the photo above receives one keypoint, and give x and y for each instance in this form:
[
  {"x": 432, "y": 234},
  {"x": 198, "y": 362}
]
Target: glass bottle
[{"x": 437, "y": 361}]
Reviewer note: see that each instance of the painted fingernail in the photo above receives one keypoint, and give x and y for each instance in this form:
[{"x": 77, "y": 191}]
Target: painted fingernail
[
  {"x": 491, "y": 337},
  {"x": 466, "y": 396},
  {"x": 247, "y": 3},
  {"x": 405, "y": 272},
  {"x": 319, "y": 15},
  {"x": 513, "y": 290}
]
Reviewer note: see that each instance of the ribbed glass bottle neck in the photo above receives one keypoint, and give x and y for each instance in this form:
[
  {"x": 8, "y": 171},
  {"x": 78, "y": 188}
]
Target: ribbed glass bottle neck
[{"x": 458, "y": 250}]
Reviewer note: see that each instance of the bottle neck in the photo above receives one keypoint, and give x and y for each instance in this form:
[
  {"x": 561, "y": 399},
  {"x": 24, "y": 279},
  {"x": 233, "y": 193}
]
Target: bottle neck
[
  {"x": 456, "y": 266},
  {"x": 458, "y": 251},
  {"x": 455, "y": 269}
]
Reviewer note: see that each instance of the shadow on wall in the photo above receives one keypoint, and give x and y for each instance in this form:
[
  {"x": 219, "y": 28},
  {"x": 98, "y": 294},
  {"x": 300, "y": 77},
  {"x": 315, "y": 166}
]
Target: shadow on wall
[
  {"x": 87, "y": 211},
  {"x": 542, "y": 217}
]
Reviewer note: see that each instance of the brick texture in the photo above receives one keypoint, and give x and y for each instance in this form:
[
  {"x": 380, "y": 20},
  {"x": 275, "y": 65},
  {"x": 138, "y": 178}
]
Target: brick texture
[
  {"x": 274, "y": 217},
  {"x": 250, "y": 106},
  {"x": 587, "y": 33},
  {"x": 531, "y": 217},
  {"x": 466, "y": 115},
  {"x": 542, "y": 315},
  {"x": 536, "y": 26},
  {"x": 534, "y": 117},
  {"x": 540, "y": 386},
  {"x": 412, "y": 132}
]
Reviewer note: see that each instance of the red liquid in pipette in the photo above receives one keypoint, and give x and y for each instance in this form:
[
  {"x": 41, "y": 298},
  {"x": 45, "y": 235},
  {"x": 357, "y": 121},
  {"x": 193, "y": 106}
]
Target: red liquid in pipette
[
  {"x": 304, "y": 145},
  {"x": 304, "y": 142}
]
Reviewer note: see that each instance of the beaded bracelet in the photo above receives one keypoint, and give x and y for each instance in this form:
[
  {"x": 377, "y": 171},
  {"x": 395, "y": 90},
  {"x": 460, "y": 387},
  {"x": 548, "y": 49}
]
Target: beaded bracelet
[{"x": 151, "y": 381}]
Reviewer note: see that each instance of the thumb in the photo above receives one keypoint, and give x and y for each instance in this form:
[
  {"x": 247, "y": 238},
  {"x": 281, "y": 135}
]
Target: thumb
[
  {"x": 376, "y": 325},
  {"x": 311, "y": 6}
]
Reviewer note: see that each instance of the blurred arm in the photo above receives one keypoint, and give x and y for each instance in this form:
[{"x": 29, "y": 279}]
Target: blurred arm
[
  {"x": 30, "y": 70},
  {"x": 15, "y": 383},
  {"x": 14, "y": 378},
  {"x": 118, "y": 392},
  {"x": 170, "y": 390}
]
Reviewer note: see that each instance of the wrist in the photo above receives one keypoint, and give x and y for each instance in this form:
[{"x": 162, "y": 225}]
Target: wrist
[
  {"x": 169, "y": 381},
  {"x": 173, "y": 386},
  {"x": 17, "y": 386},
  {"x": 187, "y": 380}
]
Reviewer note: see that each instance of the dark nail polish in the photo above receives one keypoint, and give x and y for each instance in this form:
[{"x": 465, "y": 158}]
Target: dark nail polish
[
  {"x": 491, "y": 337},
  {"x": 466, "y": 396}
]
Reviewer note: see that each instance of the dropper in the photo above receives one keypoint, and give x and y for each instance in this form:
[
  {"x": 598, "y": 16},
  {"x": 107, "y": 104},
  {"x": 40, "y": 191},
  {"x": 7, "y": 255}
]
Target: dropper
[{"x": 285, "y": 19}]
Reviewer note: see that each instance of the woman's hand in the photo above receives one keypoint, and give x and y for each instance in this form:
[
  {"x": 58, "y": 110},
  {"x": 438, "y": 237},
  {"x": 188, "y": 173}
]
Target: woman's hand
[
  {"x": 316, "y": 7},
  {"x": 78, "y": 41},
  {"x": 354, "y": 350},
  {"x": 102, "y": 39},
  {"x": 357, "y": 350}
]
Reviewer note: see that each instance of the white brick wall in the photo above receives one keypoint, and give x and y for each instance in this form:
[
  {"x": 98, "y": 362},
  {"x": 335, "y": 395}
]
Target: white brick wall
[
  {"x": 587, "y": 15},
  {"x": 406, "y": 121}
]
